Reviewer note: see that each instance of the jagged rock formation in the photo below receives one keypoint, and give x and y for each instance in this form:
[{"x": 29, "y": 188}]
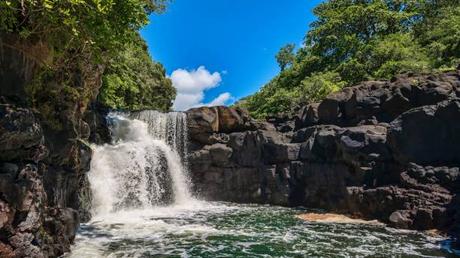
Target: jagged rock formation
[
  {"x": 387, "y": 150},
  {"x": 43, "y": 185}
]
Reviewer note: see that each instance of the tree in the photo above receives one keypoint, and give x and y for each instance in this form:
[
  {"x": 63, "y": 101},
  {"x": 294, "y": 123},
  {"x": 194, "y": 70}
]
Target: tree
[
  {"x": 343, "y": 27},
  {"x": 101, "y": 26},
  {"x": 319, "y": 85},
  {"x": 440, "y": 35},
  {"x": 80, "y": 38},
  {"x": 356, "y": 40},
  {"x": 133, "y": 81},
  {"x": 285, "y": 56}
]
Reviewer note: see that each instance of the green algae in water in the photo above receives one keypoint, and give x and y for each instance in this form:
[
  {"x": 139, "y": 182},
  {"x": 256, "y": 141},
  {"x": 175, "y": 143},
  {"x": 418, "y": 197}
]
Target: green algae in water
[{"x": 230, "y": 230}]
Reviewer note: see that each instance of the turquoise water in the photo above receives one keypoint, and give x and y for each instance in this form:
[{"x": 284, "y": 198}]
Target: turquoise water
[{"x": 229, "y": 230}]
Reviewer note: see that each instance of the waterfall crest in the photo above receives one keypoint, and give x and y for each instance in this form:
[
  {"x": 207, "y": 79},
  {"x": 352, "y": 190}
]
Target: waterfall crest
[{"x": 144, "y": 166}]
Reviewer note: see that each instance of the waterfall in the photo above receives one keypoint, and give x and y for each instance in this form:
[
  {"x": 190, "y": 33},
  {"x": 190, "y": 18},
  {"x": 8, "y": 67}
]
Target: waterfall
[{"x": 144, "y": 166}]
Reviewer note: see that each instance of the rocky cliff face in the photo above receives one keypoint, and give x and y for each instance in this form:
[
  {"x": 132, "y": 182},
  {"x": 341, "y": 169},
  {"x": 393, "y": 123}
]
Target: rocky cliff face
[
  {"x": 43, "y": 184},
  {"x": 387, "y": 150}
]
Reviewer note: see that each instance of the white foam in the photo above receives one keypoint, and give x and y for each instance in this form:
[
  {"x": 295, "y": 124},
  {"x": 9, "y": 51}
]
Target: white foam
[
  {"x": 133, "y": 172},
  {"x": 128, "y": 183}
]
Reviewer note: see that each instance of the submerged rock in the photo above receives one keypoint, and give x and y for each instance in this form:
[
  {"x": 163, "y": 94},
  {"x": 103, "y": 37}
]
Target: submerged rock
[{"x": 335, "y": 218}]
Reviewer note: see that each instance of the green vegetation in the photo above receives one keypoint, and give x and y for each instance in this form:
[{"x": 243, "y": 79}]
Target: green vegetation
[
  {"x": 356, "y": 40},
  {"x": 285, "y": 56},
  {"x": 133, "y": 81},
  {"x": 100, "y": 26},
  {"x": 75, "y": 44}
]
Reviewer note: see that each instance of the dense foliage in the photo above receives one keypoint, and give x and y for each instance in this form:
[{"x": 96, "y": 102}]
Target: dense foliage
[
  {"x": 133, "y": 81},
  {"x": 285, "y": 56},
  {"x": 101, "y": 26},
  {"x": 356, "y": 40},
  {"x": 82, "y": 41}
]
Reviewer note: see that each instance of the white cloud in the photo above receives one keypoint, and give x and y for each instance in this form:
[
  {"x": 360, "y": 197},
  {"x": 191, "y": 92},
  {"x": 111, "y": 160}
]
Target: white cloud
[
  {"x": 186, "y": 101},
  {"x": 191, "y": 85},
  {"x": 220, "y": 100}
]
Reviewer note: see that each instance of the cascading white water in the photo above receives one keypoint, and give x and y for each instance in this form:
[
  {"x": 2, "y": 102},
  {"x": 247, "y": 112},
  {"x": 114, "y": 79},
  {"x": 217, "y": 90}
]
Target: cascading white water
[
  {"x": 143, "y": 168},
  {"x": 144, "y": 165}
]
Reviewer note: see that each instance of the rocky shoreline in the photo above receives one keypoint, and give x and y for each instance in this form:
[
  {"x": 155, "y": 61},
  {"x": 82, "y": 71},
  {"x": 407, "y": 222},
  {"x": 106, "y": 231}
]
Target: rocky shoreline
[{"x": 386, "y": 150}]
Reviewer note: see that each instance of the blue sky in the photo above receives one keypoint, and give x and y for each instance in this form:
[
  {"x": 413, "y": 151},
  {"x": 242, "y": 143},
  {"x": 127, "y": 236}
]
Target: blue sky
[{"x": 217, "y": 51}]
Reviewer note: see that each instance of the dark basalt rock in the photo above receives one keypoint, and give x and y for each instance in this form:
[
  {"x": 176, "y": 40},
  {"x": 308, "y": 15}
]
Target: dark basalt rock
[
  {"x": 44, "y": 191},
  {"x": 205, "y": 122},
  {"x": 380, "y": 101},
  {"x": 96, "y": 128},
  {"x": 387, "y": 150},
  {"x": 428, "y": 135},
  {"x": 37, "y": 218},
  {"x": 21, "y": 135}
]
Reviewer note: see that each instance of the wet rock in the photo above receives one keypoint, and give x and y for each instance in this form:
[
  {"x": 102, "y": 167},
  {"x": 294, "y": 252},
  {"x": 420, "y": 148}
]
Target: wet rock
[
  {"x": 84, "y": 155},
  {"x": 95, "y": 119},
  {"x": 423, "y": 219}
]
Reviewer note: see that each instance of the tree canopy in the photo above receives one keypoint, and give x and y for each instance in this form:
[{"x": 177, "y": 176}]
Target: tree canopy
[
  {"x": 83, "y": 39},
  {"x": 285, "y": 56},
  {"x": 356, "y": 40},
  {"x": 133, "y": 81},
  {"x": 99, "y": 25}
]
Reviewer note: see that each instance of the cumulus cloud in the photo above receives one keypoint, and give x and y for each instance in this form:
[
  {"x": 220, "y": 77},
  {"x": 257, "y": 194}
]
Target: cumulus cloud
[{"x": 191, "y": 85}]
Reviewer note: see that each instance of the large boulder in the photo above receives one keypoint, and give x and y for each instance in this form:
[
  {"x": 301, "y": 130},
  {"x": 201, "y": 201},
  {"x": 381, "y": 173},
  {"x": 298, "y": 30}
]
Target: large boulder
[
  {"x": 202, "y": 122},
  {"x": 428, "y": 135},
  {"x": 205, "y": 121},
  {"x": 308, "y": 116},
  {"x": 247, "y": 148},
  {"x": 330, "y": 109},
  {"x": 381, "y": 101}
]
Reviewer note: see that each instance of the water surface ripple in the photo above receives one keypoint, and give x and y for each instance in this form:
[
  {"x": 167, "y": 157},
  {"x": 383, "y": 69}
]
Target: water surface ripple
[{"x": 201, "y": 229}]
